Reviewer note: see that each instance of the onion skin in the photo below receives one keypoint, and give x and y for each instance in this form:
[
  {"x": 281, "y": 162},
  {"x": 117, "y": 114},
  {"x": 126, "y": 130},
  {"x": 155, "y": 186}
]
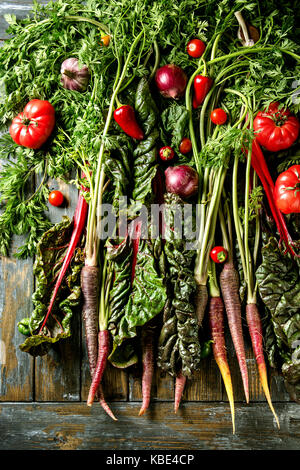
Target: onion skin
[
  {"x": 73, "y": 78},
  {"x": 182, "y": 180},
  {"x": 171, "y": 81}
]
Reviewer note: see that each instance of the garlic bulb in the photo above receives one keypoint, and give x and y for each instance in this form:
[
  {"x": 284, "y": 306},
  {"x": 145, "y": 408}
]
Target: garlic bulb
[{"x": 72, "y": 77}]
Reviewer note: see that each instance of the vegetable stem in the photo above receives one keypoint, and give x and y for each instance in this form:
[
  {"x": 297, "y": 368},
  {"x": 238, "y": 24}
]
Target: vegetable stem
[{"x": 92, "y": 244}]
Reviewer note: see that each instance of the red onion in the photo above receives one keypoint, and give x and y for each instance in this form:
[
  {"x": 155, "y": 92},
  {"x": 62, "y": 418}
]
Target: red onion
[
  {"x": 181, "y": 180},
  {"x": 171, "y": 81},
  {"x": 72, "y": 77}
]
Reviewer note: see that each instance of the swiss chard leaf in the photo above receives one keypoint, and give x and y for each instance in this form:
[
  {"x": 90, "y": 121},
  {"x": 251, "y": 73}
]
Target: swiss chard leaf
[
  {"x": 51, "y": 250},
  {"x": 132, "y": 305},
  {"x": 179, "y": 346},
  {"x": 278, "y": 279},
  {"x": 145, "y": 153},
  {"x": 175, "y": 121}
]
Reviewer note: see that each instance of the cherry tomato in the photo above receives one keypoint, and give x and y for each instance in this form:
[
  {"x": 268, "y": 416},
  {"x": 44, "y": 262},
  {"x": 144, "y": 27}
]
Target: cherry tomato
[
  {"x": 166, "y": 153},
  {"x": 33, "y": 126},
  {"x": 276, "y": 129},
  {"x": 287, "y": 190},
  {"x": 195, "y": 48},
  {"x": 218, "y": 116},
  {"x": 185, "y": 145},
  {"x": 56, "y": 198},
  {"x": 105, "y": 40},
  {"x": 218, "y": 254}
]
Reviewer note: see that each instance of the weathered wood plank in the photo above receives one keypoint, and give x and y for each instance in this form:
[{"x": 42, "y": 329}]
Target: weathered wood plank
[
  {"x": 16, "y": 368},
  {"x": 64, "y": 426},
  {"x": 16, "y": 283},
  {"x": 19, "y": 8}
]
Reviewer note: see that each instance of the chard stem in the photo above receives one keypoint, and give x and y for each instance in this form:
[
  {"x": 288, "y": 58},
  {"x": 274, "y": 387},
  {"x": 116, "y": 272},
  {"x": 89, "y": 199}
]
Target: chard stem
[{"x": 92, "y": 243}]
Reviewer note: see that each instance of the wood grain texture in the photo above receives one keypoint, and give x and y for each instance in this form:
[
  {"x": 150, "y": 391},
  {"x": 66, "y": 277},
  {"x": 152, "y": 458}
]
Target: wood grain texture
[
  {"x": 15, "y": 7},
  {"x": 16, "y": 371},
  {"x": 63, "y": 426}
]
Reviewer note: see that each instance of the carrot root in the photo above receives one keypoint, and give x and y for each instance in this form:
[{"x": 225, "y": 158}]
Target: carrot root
[
  {"x": 104, "y": 405},
  {"x": 216, "y": 322},
  {"x": 103, "y": 352},
  {"x": 90, "y": 289},
  {"x": 179, "y": 387},
  {"x": 148, "y": 367},
  {"x": 201, "y": 302},
  {"x": 229, "y": 281},
  {"x": 256, "y": 334}
]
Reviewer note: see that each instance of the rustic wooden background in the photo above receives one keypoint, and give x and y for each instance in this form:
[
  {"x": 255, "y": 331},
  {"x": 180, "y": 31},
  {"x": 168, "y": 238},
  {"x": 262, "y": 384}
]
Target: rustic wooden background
[{"x": 43, "y": 399}]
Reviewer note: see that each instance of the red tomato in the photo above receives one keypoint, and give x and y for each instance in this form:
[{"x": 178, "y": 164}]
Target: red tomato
[
  {"x": 195, "y": 48},
  {"x": 218, "y": 116},
  {"x": 56, "y": 198},
  {"x": 33, "y": 126},
  {"x": 276, "y": 129},
  {"x": 218, "y": 254},
  {"x": 166, "y": 153},
  {"x": 185, "y": 145},
  {"x": 287, "y": 190}
]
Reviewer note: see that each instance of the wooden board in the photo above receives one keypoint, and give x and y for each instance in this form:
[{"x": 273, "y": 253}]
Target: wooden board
[
  {"x": 65, "y": 426},
  {"x": 43, "y": 399}
]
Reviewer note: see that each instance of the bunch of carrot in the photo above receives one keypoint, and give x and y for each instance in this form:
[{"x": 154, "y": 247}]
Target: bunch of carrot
[{"x": 216, "y": 297}]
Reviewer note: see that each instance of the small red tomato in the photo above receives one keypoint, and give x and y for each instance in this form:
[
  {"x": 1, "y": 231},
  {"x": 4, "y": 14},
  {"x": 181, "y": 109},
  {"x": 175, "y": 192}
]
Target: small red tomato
[
  {"x": 195, "y": 48},
  {"x": 218, "y": 116},
  {"x": 218, "y": 254},
  {"x": 166, "y": 153},
  {"x": 185, "y": 145},
  {"x": 56, "y": 198}
]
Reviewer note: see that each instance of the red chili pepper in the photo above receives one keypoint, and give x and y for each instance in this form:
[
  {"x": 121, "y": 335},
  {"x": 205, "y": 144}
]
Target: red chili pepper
[
  {"x": 125, "y": 117},
  {"x": 202, "y": 85},
  {"x": 166, "y": 153},
  {"x": 79, "y": 222}
]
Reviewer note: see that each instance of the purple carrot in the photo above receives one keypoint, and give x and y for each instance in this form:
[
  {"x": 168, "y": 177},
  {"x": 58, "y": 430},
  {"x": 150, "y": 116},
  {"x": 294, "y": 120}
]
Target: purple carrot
[
  {"x": 148, "y": 367},
  {"x": 103, "y": 352},
  {"x": 229, "y": 281},
  {"x": 179, "y": 387}
]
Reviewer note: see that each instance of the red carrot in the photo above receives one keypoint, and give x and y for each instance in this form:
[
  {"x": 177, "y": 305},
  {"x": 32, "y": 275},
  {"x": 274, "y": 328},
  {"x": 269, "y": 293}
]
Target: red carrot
[
  {"x": 229, "y": 281},
  {"x": 104, "y": 405},
  {"x": 256, "y": 334},
  {"x": 79, "y": 220},
  {"x": 148, "y": 367},
  {"x": 216, "y": 322},
  {"x": 103, "y": 352},
  {"x": 179, "y": 387},
  {"x": 90, "y": 289}
]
